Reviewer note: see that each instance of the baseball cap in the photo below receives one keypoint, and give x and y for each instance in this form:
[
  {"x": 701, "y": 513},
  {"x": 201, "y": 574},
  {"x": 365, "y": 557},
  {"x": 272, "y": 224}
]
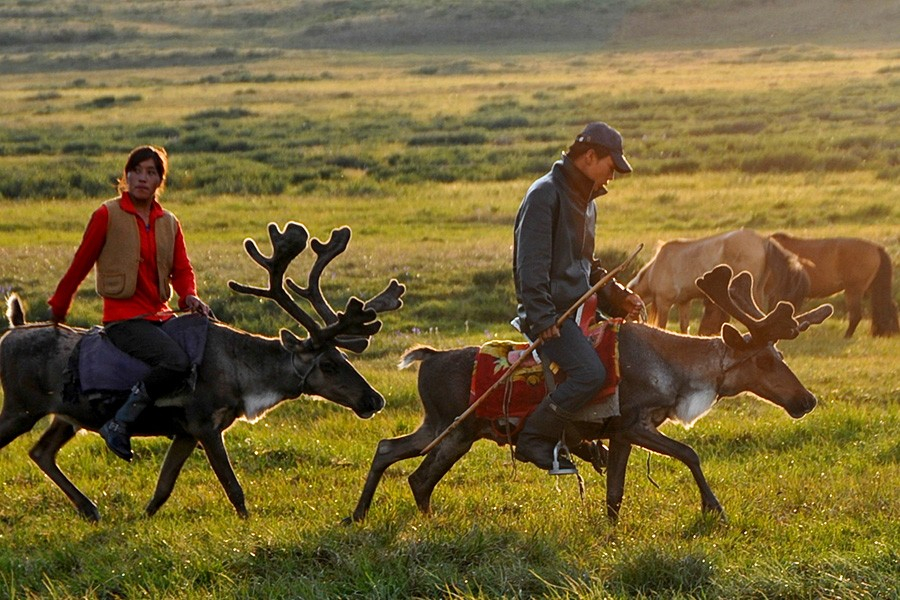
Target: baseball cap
[{"x": 602, "y": 134}]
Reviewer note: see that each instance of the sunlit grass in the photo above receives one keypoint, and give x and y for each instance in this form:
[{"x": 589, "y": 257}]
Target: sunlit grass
[{"x": 334, "y": 138}]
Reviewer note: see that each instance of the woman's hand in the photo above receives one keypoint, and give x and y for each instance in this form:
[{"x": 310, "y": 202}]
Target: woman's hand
[{"x": 197, "y": 306}]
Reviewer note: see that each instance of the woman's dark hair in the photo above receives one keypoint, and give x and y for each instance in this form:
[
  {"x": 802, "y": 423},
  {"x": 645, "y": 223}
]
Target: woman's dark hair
[
  {"x": 579, "y": 148},
  {"x": 139, "y": 155}
]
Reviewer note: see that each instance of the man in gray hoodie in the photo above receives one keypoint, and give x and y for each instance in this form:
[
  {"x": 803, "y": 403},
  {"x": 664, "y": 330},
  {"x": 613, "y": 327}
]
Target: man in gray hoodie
[{"x": 553, "y": 257}]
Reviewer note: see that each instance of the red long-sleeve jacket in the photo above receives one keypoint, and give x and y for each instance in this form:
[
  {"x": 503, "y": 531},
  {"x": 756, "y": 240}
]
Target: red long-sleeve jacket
[{"x": 146, "y": 302}]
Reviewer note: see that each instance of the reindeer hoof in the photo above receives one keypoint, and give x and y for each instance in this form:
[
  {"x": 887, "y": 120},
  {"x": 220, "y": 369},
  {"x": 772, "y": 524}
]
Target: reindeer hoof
[{"x": 716, "y": 510}]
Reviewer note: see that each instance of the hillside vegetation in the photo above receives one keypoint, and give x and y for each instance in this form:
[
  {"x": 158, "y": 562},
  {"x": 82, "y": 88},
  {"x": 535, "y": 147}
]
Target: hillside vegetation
[{"x": 56, "y": 34}]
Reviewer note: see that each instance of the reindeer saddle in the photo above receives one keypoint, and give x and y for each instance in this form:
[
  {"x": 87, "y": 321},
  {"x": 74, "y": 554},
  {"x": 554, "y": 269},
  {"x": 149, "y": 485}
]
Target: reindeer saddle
[
  {"x": 97, "y": 366},
  {"x": 509, "y": 405}
]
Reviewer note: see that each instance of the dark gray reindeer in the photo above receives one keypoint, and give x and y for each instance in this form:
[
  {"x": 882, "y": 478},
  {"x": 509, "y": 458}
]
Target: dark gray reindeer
[
  {"x": 242, "y": 375},
  {"x": 664, "y": 376}
]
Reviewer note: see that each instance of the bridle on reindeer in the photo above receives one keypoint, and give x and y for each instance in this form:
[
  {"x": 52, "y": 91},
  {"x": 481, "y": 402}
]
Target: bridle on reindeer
[{"x": 734, "y": 295}]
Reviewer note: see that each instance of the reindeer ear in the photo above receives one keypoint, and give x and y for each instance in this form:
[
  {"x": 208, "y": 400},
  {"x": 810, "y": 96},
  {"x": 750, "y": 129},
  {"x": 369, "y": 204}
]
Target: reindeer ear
[
  {"x": 290, "y": 341},
  {"x": 733, "y": 337}
]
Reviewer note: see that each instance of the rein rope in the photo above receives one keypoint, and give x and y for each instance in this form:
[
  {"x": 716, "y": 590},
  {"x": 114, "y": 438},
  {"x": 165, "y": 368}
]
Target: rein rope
[
  {"x": 313, "y": 364},
  {"x": 725, "y": 370}
]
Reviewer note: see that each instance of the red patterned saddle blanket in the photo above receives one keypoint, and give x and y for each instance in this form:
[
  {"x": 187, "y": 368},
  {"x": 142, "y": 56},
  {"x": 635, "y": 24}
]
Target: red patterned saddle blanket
[{"x": 525, "y": 389}]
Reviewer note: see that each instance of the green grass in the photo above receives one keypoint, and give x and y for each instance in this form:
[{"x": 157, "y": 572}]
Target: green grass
[{"x": 426, "y": 155}]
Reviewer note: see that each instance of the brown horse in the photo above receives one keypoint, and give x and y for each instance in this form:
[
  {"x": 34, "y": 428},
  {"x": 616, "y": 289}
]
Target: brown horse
[
  {"x": 856, "y": 266},
  {"x": 668, "y": 278}
]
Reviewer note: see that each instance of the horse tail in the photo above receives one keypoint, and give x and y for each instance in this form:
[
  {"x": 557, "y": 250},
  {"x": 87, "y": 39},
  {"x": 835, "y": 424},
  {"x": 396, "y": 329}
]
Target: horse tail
[
  {"x": 785, "y": 277},
  {"x": 15, "y": 312},
  {"x": 884, "y": 309}
]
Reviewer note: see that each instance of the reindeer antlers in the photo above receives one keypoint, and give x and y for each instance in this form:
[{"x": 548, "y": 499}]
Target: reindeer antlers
[
  {"x": 735, "y": 297},
  {"x": 352, "y": 328}
]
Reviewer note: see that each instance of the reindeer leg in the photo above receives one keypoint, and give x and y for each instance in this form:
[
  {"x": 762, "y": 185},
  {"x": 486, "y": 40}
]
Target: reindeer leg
[
  {"x": 176, "y": 456},
  {"x": 438, "y": 462},
  {"x": 655, "y": 441},
  {"x": 14, "y": 425},
  {"x": 214, "y": 446},
  {"x": 44, "y": 452},
  {"x": 617, "y": 461},
  {"x": 388, "y": 452}
]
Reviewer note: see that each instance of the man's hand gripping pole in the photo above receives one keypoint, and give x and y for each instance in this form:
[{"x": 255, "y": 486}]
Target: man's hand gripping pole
[{"x": 534, "y": 345}]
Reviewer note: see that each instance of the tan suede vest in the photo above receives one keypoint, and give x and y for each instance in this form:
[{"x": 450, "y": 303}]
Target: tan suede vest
[{"x": 117, "y": 266}]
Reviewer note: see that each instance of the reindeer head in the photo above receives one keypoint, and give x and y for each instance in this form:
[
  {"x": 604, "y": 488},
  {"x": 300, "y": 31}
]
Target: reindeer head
[
  {"x": 319, "y": 364},
  {"x": 757, "y": 365}
]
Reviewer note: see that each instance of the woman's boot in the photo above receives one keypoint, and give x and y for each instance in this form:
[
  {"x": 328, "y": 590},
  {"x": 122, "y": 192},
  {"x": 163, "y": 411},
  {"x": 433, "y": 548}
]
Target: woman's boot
[{"x": 115, "y": 431}]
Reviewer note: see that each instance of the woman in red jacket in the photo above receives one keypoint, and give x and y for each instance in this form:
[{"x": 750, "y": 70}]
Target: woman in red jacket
[{"x": 139, "y": 252}]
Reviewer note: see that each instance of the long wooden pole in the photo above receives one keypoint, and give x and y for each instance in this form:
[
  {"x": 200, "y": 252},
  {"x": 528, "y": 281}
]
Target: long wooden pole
[{"x": 535, "y": 344}]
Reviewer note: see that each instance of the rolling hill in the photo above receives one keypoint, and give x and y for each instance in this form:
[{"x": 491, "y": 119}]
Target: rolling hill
[{"x": 54, "y": 34}]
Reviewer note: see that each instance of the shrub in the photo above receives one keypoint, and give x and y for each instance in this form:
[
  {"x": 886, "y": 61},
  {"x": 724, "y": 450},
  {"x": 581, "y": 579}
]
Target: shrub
[
  {"x": 82, "y": 148},
  {"x": 59, "y": 179},
  {"x": 779, "y": 162},
  {"x": 100, "y": 102},
  {"x": 223, "y": 174},
  {"x": 158, "y": 132},
  {"x": 219, "y": 113},
  {"x": 44, "y": 96}
]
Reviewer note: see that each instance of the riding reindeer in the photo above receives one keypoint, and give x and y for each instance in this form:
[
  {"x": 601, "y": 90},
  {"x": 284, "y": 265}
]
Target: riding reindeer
[
  {"x": 664, "y": 376},
  {"x": 242, "y": 375}
]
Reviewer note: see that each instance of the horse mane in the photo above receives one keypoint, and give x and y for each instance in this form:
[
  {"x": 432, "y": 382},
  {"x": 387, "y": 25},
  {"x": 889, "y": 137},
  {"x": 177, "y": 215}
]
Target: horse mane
[{"x": 786, "y": 279}]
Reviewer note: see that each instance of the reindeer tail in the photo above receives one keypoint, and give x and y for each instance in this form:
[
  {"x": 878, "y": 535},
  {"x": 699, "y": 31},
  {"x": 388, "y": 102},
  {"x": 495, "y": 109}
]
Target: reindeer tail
[
  {"x": 15, "y": 312},
  {"x": 415, "y": 354},
  {"x": 884, "y": 309}
]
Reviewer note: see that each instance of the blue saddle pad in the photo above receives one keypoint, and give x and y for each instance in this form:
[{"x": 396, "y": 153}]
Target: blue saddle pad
[{"x": 103, "y": 367}]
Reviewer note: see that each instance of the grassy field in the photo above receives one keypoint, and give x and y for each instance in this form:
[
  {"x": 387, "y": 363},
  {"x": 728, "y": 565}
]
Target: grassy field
[{"x": 426, "y": 154}]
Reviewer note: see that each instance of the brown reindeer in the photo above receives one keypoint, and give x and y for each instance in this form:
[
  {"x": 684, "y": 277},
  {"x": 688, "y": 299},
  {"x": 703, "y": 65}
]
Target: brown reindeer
[
  {"x": 242, "y": 375},
  {"x": 664, "y": 376}
]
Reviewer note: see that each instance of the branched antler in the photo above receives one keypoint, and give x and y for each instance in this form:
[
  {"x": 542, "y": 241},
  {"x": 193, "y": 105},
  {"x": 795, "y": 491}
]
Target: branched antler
[
  {"x": 286, "y": 246},
  {"x": 734, "y": 295},
  {"x": 350, "y": 329},
  {"x": 740, "y": 291},
  {"x": 325, "y": 253}
]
